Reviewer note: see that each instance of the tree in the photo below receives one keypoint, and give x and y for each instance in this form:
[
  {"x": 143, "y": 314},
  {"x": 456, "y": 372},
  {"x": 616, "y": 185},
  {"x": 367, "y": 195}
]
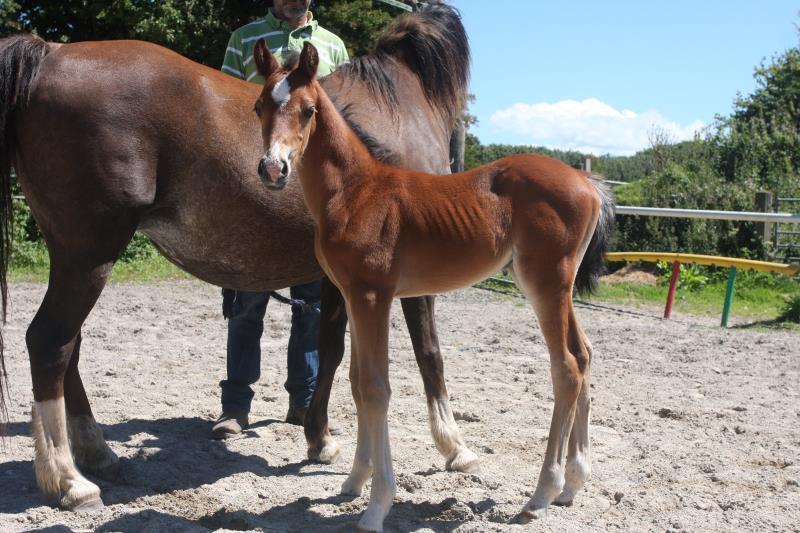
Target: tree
[
  {"x": 357, "y": 22},
  {"x": 196, "y": 29}
]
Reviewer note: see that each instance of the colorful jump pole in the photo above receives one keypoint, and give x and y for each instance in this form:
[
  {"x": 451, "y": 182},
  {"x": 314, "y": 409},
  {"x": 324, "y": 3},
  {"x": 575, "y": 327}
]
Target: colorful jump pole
[
  {"x": 726, "y": 307},
  {"x": 673, "y": 285}
]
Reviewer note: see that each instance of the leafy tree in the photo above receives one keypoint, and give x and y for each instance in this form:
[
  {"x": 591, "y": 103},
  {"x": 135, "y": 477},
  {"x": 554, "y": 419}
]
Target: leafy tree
[
  {"x": 194, "y": 28},
  {"x": 357, "y": 22}
]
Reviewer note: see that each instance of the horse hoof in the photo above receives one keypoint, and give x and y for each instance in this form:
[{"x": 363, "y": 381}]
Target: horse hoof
[
  {"x": 327, "y": 453},
  {"x": 109, "y": 471},
  {"x": 526, "y": 515},
  {"x": 464, "y": 461},
  {"x": 89, "y": 506},
  {"x": 563, "y": 502}
]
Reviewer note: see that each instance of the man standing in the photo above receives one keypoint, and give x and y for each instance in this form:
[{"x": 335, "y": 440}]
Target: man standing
[{"x": 288, "y": 24}]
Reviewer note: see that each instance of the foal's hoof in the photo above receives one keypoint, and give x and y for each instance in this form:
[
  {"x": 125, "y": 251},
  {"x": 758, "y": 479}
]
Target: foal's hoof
[
  {"x": 464, "y": 461},
  {"x": 326, "y": 453},
  {"x": 526, "y": 515}
]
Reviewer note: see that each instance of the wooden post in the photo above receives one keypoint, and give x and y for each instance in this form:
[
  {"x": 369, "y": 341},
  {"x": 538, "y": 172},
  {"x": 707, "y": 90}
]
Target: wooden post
[
  {"x": 673, "y": 285},
  {"x": 457, "y": 142},
  {"x": 587, "y": 166},
  {"x": 764, "y": 205}
]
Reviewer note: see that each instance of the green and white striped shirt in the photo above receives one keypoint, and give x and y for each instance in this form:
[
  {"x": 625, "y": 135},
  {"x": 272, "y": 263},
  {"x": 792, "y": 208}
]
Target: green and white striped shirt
[{"x": 280, "y": 39}]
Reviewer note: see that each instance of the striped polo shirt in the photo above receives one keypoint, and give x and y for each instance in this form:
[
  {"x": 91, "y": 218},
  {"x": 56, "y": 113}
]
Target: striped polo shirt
[{"x": 280, "y": 38}]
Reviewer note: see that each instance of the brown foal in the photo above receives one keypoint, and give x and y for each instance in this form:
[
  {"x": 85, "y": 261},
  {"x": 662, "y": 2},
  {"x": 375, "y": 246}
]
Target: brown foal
[{"x": 382, "y": 232}]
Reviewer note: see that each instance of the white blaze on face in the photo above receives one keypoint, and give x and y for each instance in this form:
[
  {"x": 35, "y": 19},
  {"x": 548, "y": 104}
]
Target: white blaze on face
[{"x": 280, "y": 93}]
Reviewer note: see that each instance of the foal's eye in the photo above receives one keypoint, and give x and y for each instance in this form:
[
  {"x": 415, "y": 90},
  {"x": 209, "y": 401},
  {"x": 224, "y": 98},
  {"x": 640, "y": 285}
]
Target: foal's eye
[
  {"x": 257, "y": 108},
  {"x": 309, "y": 111}
]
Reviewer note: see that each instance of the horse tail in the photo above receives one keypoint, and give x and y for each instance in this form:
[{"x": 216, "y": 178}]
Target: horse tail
[
  {"x": 20, "y": 57},
  {"x": 594, "y": 263},
  {"x": 433, "y": 43}
]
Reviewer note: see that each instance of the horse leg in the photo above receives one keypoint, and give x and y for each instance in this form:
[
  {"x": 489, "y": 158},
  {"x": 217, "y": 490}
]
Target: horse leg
[
  {"x": 369, "y": 315},
  {"x": 89, "y": 448},
  {"x": 579, "y": 454},
  {"x": 333, "y": 322},
  {"x": 419, "y": 315},
  {"x": 549, "y": 288},
  {"x": 52, "y": 339},
  {"x": 362, "y": 466}
]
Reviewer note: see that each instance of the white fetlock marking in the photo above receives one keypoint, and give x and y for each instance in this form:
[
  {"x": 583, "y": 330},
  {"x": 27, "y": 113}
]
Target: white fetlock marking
[
  {"x": 447, "y": 437},
  {"x": 550, "y": 485},
  {"x": 576, "y": 474},
  {"x": 89, "y": 448},
  {"x": 354, "y": 484},
  {"x": 327, "y": 453},
  {"x": 372, "y": 519},
  {"x": 55, "y": 469}
]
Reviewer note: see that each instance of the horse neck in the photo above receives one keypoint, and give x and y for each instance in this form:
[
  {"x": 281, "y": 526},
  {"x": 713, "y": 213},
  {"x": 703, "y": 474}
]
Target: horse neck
[{"x": 334, "y": 159}]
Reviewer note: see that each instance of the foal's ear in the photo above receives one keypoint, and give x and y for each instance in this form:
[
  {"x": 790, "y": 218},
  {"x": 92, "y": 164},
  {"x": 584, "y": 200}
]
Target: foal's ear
[
  {"x": 265, "y": 61},
  {"x": 309, "y": 60}
]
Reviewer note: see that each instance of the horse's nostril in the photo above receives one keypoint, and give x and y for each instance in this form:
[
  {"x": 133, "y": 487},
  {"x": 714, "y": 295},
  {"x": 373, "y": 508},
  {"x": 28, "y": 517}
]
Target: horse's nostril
[
  {"x": 262, "y": 168},
  {"x": 284, "y": 168}
]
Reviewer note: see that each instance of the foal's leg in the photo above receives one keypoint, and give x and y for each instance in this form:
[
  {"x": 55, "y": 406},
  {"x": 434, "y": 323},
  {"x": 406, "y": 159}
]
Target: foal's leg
[
  {"x": 333, "y": 321},
  {"x": 419, "y": 317},
  {"x": 52, "y": 339},
  {"x": 549, "y": 288},
  {"x": 369, "y": 314},
  {"x": 89, "y": 448},
  {"x": 579, "y": 454},
  {"x": 362, "y": 465}
]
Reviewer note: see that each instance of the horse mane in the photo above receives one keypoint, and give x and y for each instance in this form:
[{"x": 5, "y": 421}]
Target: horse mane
[
  {"x": 433, "y": 44},
  {"x": 377, "y": 149}
]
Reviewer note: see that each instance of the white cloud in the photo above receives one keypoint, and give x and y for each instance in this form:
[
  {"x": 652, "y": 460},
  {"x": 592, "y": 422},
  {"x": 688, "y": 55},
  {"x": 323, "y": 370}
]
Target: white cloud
[{"x": 589, "y": 126}]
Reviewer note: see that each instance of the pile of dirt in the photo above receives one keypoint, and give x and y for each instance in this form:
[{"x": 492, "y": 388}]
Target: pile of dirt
[{"x": 631, "y": 274}]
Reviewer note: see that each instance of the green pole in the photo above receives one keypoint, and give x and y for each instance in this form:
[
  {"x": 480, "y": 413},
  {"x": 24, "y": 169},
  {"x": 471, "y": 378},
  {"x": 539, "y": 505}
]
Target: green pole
[{"x": 726, "y": 308}]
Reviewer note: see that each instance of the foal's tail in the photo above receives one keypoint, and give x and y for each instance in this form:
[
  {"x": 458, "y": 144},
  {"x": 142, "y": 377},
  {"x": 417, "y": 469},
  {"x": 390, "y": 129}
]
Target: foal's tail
[
  {"x": 20, "y": 57},
  {"x": 593, "y": 264}
]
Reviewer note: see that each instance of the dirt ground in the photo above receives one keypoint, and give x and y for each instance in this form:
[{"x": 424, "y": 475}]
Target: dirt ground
[{"x": 694, "y": 428}]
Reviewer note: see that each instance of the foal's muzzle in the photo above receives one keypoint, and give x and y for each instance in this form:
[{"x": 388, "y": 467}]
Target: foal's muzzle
[{"x": 274, "y": 172}]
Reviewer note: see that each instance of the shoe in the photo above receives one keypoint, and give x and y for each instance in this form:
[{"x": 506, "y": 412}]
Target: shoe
[
  {"x": 296, "y": 416},
  {"x": 229, "y": 425}
]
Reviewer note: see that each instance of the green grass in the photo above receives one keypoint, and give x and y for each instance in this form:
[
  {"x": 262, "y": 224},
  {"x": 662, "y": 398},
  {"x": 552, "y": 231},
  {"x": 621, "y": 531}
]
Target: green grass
[
  {"x": 751, "y": 302},
  {"x": 758, "y": 298},
  {"x": 151, "y": 268}
]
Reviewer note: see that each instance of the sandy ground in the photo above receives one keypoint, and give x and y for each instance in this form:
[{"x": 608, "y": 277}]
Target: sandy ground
[{"x": 694, "y": 428}]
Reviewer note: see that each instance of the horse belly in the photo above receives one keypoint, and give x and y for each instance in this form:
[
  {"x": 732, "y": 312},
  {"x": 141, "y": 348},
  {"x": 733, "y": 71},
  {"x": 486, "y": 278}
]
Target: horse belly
[
  {"x": 440, "y": 269},
  {"x": 236, "y": 255}
]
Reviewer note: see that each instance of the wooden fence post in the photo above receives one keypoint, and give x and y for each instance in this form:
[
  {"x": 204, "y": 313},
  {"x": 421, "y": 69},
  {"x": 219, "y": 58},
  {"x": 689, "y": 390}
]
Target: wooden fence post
[{"x": 764, "y": 205}]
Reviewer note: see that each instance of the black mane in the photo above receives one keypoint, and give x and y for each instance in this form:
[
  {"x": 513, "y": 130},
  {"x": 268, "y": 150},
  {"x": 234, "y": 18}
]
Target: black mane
[{"x": 433, "y": 44}]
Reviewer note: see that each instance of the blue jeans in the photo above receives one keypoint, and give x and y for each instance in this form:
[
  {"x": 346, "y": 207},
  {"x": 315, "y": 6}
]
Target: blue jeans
[{"x": 245, "y": 326}]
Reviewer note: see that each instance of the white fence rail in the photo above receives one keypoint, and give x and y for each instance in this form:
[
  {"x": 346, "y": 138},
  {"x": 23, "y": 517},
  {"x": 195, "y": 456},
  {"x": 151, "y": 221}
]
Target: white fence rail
[{"x": 747, "y": 216}]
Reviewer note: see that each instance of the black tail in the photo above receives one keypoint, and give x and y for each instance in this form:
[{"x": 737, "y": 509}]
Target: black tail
[
  {"x": 594, "y": 262},
  {"x": 20, "y": 57},
  {"x": 432, "y": 42}
]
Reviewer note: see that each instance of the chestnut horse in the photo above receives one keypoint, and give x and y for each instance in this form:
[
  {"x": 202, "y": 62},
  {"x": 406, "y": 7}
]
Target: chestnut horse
[
  {"x": 383, "y": 232},
  {"x": 112, "y": 137}
]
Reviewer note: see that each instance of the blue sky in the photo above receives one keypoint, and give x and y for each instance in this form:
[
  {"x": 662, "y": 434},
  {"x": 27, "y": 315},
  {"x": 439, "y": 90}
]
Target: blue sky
[{"x": 599, "y": 75}]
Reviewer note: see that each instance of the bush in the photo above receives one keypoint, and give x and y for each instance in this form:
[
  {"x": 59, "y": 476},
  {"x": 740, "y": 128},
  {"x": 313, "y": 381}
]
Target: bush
[{"x": 791, "y": 313}]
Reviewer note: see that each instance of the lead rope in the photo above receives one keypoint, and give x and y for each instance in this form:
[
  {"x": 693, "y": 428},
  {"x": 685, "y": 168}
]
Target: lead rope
[{"x": 296, "y": 302}]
